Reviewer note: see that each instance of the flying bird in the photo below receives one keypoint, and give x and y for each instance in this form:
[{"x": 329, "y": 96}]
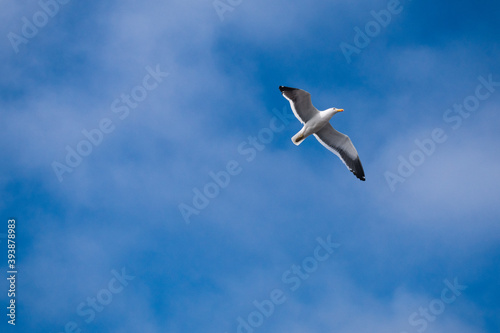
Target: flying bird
[{"x": 318, "y": 123}]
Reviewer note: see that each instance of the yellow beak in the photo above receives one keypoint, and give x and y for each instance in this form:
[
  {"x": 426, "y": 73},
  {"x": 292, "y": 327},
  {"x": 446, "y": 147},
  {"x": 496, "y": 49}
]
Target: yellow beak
[{"x": 340, "y": 110}]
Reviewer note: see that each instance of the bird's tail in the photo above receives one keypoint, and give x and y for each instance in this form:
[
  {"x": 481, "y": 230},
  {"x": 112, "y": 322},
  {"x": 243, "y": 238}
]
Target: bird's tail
[{"x": 298, "y": 138}]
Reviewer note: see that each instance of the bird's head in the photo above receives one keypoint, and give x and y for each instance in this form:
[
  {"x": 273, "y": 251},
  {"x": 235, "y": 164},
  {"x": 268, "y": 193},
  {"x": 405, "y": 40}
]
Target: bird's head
[
  {"x": 331, "y": 112},
  {"x": 335, "y": 111}
]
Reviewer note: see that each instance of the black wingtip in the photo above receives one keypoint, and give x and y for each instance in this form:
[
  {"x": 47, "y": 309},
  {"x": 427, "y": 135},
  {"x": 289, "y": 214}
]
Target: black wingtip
[
  {"x": 358, "y": 170},
  {"x": 283, "y": 88},
  {"x": 360, "y": 177}
]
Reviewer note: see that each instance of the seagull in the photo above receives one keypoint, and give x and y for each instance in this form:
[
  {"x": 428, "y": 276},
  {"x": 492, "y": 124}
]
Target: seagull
[{"x": 318, "y": 123}]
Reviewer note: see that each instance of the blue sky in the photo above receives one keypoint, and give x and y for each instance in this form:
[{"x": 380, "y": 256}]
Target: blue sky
[{"x": 102, "y": 245}]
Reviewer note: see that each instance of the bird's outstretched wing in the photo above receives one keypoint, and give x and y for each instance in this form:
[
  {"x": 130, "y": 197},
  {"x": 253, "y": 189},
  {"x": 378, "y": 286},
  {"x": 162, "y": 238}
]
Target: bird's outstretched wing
[
  {"x": 341, "y": 145},
  {"x": 300, "y": 101}
]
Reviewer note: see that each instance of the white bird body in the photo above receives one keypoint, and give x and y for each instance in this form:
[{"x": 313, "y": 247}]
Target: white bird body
[{"x": 318, "y": 123}]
